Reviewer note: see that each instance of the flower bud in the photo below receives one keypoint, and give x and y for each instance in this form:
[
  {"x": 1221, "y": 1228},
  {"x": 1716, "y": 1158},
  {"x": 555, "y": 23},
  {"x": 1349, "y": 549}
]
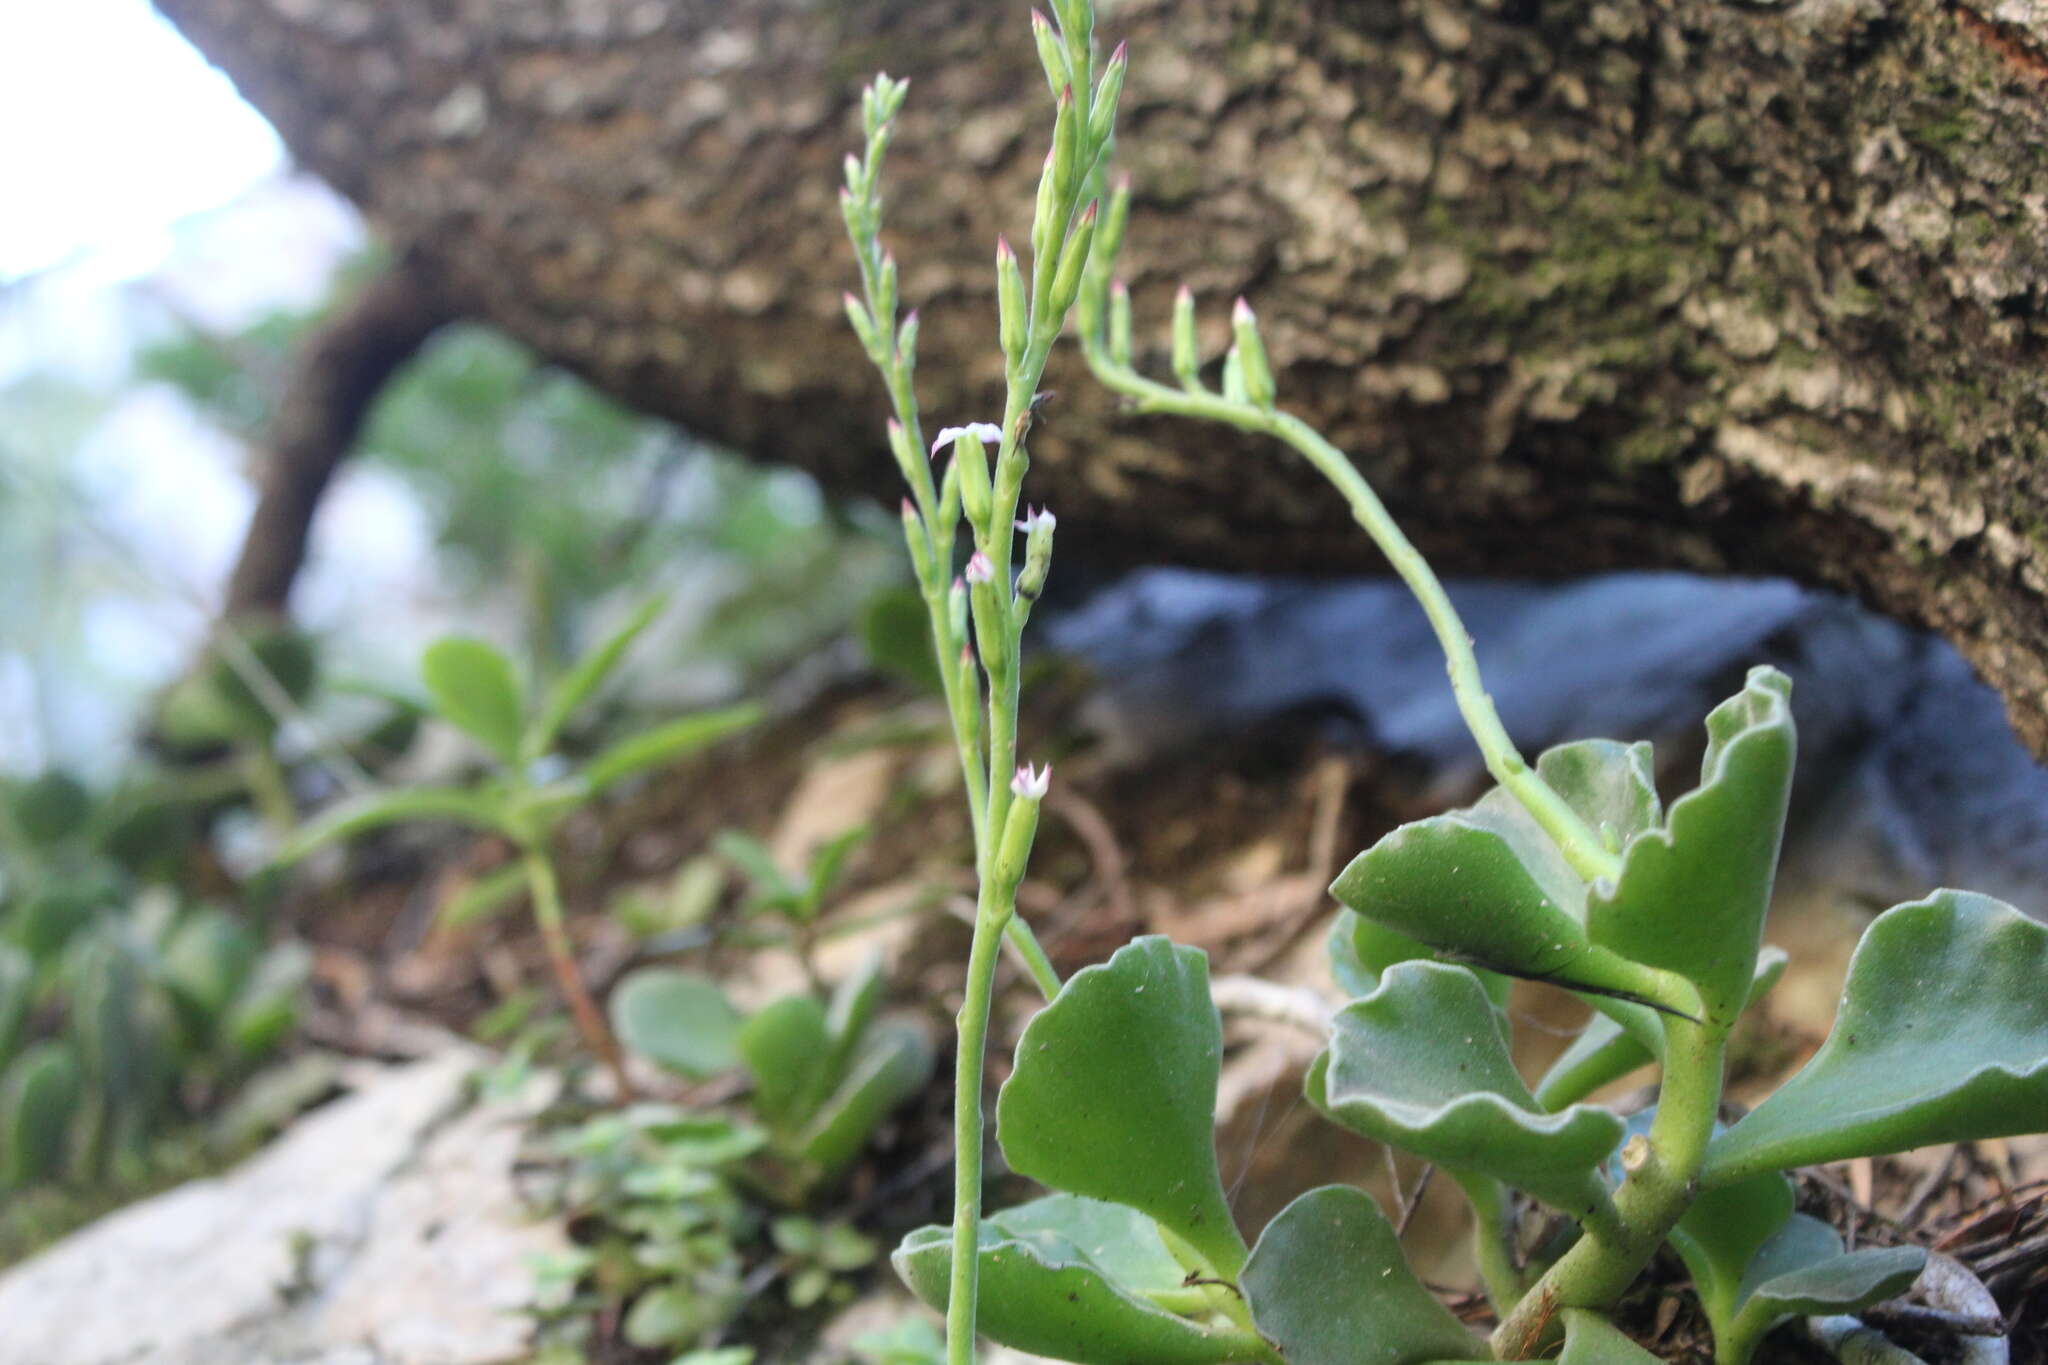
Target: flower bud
[
  {"x": 949, "y": 502},
  {"x": 1013, "y": 310},
  {"x": 1066, "y": 146},
  {"x": 1020, "y": 827},
  {"x": 1233, "y": 377},
  {"x": 920, "y": 543},
  {"x": 1102, "y": 114},
  {"x": 979, "y": 569},
  {"x": 1037, "y": 528},
  {"x": 856, "y": 178},
  {"x": 956, "y": 612},
  {"x": 854, "y": 210},
  {"x": 885, "y": 291},
  {"x": 1187, "y": 350},
  {"x": 972, "y": 462},
  {"x": 1052, "y": 55},
  {"x": 1073, "y": 261},
  {"x": 863, "y": 325},
  {"x": 906, "y": 342},
  {"x": 906, "y": 454},
  {"x": 1258, "y": 373},
  {"x": 1109, "y": 240},
  {"x": 1044, "y": 231}
]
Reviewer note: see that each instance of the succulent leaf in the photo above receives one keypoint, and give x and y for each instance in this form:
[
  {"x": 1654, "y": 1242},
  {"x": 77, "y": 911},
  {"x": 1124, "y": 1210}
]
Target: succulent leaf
[
  {"x": 1941, "y": 1036},
  {"x": 1114, "y": 1093},
  {"x": 678, "y": 1019},
  {"x": 474, "y": 688},
  {"x": 1423, "y": 1064},
  {"x": 1328, "y": 1285}
]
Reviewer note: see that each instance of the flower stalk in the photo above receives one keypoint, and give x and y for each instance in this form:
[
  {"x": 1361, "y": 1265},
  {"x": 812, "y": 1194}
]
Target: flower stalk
[{"x": 977, "y": 616}]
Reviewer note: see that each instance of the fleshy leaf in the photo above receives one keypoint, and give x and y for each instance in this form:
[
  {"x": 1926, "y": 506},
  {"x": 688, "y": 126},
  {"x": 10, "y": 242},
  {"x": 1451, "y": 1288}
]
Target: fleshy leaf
[
  {"x": 1423, "y": 1064},
  {"x": 1803, "y": 1270},
  {"x": 1123, "y": 1243},
  {"x": 1042, "y": 1294},
  {"x": 892, "y": 1063},
  {"x": 1328, "y": 1285},
  {"x": 1610, "y": 785},
  {"x": 1114, "y": 1094},
  {"x": 474, "y": 687},
  {"x": 587, "y": 675},
  {"x": 1942, "y": 1036},
  {"x": 1486, "y": 887},
  {"x": 1720, "y": 1235},
  {"x": 677, "y": 1019},
  {"x": 785, "y": 1046},
  {"x": 1360, "y": 950},
  {"x": 665, "y": 744},
  {"x": 1844, "y": 1283},
  {"x": 1691, "y": 897},
  {"x": 1590, "y": 1339}
]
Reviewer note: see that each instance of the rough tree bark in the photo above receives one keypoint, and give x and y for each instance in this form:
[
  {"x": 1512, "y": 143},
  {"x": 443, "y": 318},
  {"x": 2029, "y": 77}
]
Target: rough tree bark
[
  {"x": 1585, "y": 283},
  {"x": 335, "y": 377}
]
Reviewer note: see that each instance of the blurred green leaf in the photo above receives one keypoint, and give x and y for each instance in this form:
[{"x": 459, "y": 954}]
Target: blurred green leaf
[
  {"x": 891, "y": 1065},
  {"x": 379, "y": 809},
  {"x": 667, "y": 744},
  {"x": 678, "y": 1019},
  {"x": 39, "y": 1097},
  {"x": 589, "y": 674},
  {"x": 785, "y": 1046},
  {"x": 474, "y": 687},
  {"x": 896, "y": 631}
]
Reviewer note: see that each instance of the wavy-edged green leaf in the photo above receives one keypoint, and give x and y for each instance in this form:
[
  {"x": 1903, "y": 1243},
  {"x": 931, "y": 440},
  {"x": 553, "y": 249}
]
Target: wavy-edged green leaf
[
  {"x": 1121, "y": 1242},
  {"x": 666, "y": 744},
  {"x": 1941, "y": 1036},
  {"x": 1802, "y": 1269},
  {"x": 1720, "y": 1235},
  {"x": 1485, "y": 887},
  {"x": 1691, "y": 897},
  {"x": 677, "y": 1019},
  {"x": 1042, "y": 1294},
  {"x": 892, "y": 1063},
  {"x": 1114, "y": 1094},
  {"x": 1361, "y": 950},
  {"x": 479, "y": 810},
  {"x": 1590, "y": 1339},
  {"x": 1423, "y": 1064},
  {"x": 1610, "y": 785},
  {"x": 785, "y": 1046},
  {"x": 1842, "y": 1284},
  {"x": 39, "y": 1097},
  {"x": 1604, "y": 1051},
  {"x": 474, "y": 687},
  {"x": 1328, "y": 1285},
  {"x": 585, "y": 676}
]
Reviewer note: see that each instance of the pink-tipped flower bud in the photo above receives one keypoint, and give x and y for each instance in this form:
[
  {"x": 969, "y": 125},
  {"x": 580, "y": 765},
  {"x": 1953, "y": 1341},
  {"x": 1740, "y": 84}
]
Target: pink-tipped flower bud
[
  {"x": 979, "y": 569},
  {"x": 1032, "y": 783}
]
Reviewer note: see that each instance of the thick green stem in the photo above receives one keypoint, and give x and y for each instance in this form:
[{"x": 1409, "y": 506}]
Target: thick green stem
[
  {"x": 547, "y": 913},
  {"x": 1663, "y": 1176},
  {"x": 1580, "y": 844}
]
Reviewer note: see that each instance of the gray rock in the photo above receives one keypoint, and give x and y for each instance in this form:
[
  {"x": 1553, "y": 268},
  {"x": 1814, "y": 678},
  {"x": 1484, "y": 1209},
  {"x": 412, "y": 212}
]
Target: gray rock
[{"x": 382, "y": 1229}]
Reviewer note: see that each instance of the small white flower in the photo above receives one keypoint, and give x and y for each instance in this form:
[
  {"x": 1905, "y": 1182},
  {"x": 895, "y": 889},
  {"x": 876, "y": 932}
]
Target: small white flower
[
  {"x": 1033, "y": 520},
  {"x": 979, "y": 570},
  {"x": 1032, "y": 782},
  {"x": 988, "y": 433}
]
